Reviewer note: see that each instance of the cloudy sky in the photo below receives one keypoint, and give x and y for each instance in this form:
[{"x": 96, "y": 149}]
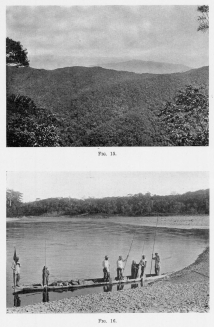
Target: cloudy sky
[
  {"x": 87, "y": 35},
  {"x": 101, "y": 184}
]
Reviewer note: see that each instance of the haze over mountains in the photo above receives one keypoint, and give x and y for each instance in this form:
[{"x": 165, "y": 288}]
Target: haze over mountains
[
  {"x": 103, "y": 107},
  {"x": 151, "y": 67},
  {"x": 120, "y": 64}
]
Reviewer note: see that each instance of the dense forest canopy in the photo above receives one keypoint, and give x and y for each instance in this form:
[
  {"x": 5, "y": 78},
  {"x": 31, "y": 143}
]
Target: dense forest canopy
[
  {"x": 133, "y": 205},
  {"x": 29, "y": 126},
  {"x": 101, "y": 107},
  {"x": 186, "y": 119}
]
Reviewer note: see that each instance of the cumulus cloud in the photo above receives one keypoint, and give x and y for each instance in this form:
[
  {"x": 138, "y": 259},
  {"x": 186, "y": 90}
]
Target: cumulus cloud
[{"x": 110, "y": 31}]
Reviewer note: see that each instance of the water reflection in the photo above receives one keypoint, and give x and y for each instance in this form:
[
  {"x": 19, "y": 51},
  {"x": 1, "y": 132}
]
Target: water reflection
[
  {"x": 45, "y": 296},
  {"x": 17, "y": 301},
  {"x": 135, "y": 285},
  {"x": 120, "y": 287},
  {"x": 85, "y": 242},
  {"x": 107, "y": 288}
]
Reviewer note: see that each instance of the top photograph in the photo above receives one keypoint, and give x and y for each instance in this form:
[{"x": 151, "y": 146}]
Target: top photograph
[{"x": 107, "y": 76}]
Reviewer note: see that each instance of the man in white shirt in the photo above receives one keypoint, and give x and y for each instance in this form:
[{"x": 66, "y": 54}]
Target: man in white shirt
[
  {"x": 120, "y": 262},
  {"x": 142, "y": 263},
  {"x": 106, "y": 269}
]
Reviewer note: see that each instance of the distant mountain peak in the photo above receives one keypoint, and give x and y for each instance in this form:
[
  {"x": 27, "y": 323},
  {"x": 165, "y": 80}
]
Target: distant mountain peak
[{"x": 152, "y": 67}]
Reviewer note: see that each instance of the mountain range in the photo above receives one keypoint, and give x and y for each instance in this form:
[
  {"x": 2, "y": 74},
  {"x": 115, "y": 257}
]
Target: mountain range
[
  {"x": 121, "y": 64},
  {"x": 151, "y": 67},
  {"x": 103, "y": 107}
]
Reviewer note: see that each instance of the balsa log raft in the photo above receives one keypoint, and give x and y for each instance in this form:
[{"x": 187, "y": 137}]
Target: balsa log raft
[{"x": 83, "y": 283}]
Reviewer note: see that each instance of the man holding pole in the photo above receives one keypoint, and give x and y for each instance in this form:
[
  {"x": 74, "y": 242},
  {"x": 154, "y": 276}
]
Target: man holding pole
[
  {"x": 17, "y": 272},
  {"x": 120, "y": 267},
  {"x": 157, "y": 264},
  {"x": 45, "y": 276},
  {"x": 13, "y": 267}
]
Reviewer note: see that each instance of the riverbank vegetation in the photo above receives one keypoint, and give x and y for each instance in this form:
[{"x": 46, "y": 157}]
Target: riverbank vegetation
[{"x": 132, "y": 205}]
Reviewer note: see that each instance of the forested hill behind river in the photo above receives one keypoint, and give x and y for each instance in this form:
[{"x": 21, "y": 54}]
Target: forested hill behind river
[{"x": 131, "y": 205}]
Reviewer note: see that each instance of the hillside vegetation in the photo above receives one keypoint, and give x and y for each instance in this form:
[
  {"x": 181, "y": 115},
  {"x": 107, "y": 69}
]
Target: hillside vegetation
[{"x": 102, "y": 107}]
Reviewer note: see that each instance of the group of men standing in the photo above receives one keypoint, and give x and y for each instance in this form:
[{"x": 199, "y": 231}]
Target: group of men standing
[
  {"x": 120, "y": 267},
  {"x": 16, "y": 267},
  {"x": 137, "y": 270}
]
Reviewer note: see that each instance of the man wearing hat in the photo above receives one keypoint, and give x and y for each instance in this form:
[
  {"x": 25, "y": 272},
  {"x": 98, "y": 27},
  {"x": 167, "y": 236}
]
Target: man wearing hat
[
  {"x": 106, "y": 269},
  {"x": 157, "y": 264}
]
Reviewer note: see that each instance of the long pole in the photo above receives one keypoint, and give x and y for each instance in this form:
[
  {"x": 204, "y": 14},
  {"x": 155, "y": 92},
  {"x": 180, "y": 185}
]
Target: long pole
[
  {"x": 129, "y": 251},
  {"x": 154, "y": 244},
  {"x": 45, "y": 252},
  {"x": 143, "y": 246},
  {"x": 14, "y": 274}
]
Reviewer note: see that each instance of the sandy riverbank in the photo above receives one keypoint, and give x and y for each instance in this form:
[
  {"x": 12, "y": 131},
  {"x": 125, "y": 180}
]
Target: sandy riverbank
[
  {"x": 183, "y": 222},
  {"x": 200, "y": 222},
  {"x": 184, "y": 291}
]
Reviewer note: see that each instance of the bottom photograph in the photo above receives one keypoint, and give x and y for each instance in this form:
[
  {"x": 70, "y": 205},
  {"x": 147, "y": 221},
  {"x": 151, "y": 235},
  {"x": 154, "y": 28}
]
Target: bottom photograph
[{"x": 107, "y": 242}]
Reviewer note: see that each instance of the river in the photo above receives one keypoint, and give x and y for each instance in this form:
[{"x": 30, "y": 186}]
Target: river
[{"x": 75, "y": 248}]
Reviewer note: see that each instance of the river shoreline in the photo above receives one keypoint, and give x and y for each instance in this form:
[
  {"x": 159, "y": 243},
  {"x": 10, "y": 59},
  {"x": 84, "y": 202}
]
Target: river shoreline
[
  {"x": 186, "y": 290},
  {"x": 181, "y": 222}
]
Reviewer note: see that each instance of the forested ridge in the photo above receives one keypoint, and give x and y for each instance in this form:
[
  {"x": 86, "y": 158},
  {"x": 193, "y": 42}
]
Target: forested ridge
[
  {"x": 132, "y": 205},
  {"x": 101, "y": 107}
]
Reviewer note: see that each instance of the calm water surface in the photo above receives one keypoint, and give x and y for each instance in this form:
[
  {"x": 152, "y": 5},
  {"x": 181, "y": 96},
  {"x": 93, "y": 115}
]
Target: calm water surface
[{"x": 75, "y": 248}]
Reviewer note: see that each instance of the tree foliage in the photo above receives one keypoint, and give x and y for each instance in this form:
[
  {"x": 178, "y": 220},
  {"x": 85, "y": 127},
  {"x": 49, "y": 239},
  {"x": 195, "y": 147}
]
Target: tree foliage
[
  {"x": 130, "y": 205},
  {"x": 101, "y": 107},
  {"x": 203, "y": 18},
  {"x": 185, "y": 121},
  {"x": 13, "y": 202},
  {"x": 29, "y": 126},
  {"x": 15, "y": 54}
]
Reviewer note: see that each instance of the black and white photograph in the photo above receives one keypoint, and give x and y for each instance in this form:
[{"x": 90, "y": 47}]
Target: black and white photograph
[
  {"x": 107, "y": 242},
  {"x": 106, "y": 167},
  {"x": 107, "y": 76}
]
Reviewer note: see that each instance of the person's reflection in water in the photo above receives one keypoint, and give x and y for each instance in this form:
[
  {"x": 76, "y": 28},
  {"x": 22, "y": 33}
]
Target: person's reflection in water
[
  {"x": 120, "y": 287},
  {"x": 107, "y": 288},
  {"x": 134, "y": 285},
  {"x": 17, "y": 301},
  {"x": 142, "y": 282},
  {"x": 45, "y": 296}
]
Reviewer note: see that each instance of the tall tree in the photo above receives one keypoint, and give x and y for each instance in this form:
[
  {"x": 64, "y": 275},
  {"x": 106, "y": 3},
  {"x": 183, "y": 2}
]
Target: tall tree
[
  {"x": 28, "y": 125},
  {"x": 13, "y": 197},
  {"x": 15, "y": 54},
  {"x": 185, "y": 121},
  {"x": 13, "y": 202},
  {"x": 203, "y": 18}
]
